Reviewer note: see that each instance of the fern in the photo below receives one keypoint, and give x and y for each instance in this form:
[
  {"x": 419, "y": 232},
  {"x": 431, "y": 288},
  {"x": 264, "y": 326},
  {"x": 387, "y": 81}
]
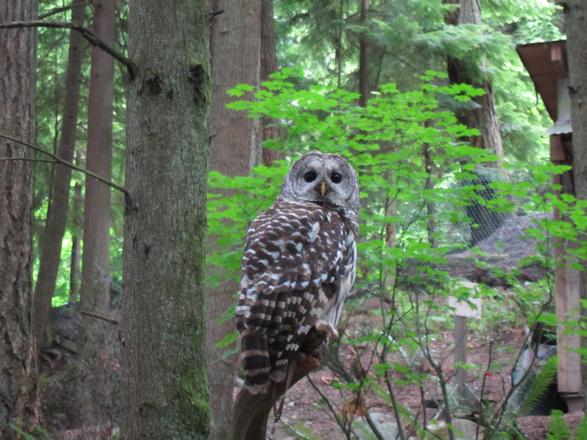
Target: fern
[
  {"x": 541, "y": 383},
  {"x": 582, "y": 428},
  {"x": 558, "y": 429}
]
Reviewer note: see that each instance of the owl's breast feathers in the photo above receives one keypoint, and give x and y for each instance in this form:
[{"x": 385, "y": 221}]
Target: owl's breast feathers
[{"x": 297, "y": 268}]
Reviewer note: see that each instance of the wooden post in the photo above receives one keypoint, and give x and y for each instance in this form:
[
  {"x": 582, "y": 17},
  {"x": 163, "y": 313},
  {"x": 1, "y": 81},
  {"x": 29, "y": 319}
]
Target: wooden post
[
  {"x": 464, "y": 310},
  {"x": 461, "y": 354}
]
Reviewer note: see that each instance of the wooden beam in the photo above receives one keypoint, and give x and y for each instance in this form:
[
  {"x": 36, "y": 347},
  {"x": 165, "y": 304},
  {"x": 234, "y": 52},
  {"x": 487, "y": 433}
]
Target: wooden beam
[{"x": 558, "y": 61}]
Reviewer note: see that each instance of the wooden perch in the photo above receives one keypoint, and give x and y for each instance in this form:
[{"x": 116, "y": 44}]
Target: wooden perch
[{"x": 251, "y": 411}]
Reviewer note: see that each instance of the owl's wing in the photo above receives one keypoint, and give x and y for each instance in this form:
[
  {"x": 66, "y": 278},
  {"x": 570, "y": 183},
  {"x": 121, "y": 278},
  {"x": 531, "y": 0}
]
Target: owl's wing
[
  {"x": 292, "y": 248},
  {"x": 293, "y": 260}
]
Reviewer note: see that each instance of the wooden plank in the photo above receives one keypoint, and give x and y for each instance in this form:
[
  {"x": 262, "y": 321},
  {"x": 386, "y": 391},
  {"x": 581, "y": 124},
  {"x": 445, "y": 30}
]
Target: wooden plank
[
  {"x": 461, "y": 354},
  {"x": 557, "y": 60},
  {"x": 557, "y": 151},
  {"x": 567, "y": 285}
]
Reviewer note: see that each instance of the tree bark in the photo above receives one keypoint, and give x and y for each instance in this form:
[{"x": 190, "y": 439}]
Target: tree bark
[
  {"x": 164, "y": 382},
  {"x": 269, "y": 130},
  {"x": 575, "y": 23},
  {"x": 95, "y": 389},
  {"x": 59, "y": 198},
  {"x": 234, "y": 150},
  {"x": 18, "y": 367},
  {"x": 95, "y": 272},
  {"x": 76, "y": 220},
  {"x": 363, "y": 58},
  {"x": 483, "y": 117}
]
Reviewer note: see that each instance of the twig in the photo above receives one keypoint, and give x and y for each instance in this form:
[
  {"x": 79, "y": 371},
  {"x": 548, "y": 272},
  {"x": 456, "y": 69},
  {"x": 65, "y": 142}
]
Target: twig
[
  {"x": 90, "y": 36},
  {"x": 26, "y": 159},
  {"x": 339, "y": 422},
  {"x": 56, "y": 11},
  {"x": 373, "y": 427},
  {"x": 483, "y": 384},
  {"x": 103, "y": 318},
  {"x": 66, "y": 163}
]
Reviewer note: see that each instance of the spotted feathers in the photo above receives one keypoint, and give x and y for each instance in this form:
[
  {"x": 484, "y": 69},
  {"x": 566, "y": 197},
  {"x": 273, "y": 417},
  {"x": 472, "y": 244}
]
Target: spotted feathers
[{"x": 297, "y": 269}]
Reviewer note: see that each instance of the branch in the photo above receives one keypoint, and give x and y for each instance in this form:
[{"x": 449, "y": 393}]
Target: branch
[
  {"x": 103, "y": 318},
  {"x": 26, "y": 159},
  {"x": 66, "y": 163},
  {"x": 87, "y": 34},
  {"x": 56, "y": 11}
]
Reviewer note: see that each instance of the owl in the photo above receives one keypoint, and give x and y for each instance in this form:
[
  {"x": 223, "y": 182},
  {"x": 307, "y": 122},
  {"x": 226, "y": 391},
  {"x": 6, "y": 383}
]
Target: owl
[{"x": 298, "y": 266}]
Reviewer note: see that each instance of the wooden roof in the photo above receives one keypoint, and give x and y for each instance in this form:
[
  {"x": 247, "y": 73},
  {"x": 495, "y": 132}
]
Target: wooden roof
[{"x": 546, "y": 63}]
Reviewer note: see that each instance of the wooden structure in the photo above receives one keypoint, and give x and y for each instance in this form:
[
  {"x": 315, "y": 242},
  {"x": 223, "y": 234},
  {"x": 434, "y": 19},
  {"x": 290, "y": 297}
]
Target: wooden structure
[{"x": 547, "y": 65}]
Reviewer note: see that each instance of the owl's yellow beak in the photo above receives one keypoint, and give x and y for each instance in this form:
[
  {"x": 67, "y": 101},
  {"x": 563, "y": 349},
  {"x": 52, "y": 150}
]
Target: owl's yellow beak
[{"x": 323, "y": 188}]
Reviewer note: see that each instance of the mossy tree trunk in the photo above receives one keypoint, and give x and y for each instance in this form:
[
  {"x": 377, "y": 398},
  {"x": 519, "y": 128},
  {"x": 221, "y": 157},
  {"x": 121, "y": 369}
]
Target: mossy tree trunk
[
  {"x": 18, "y": 369},
  {"x": 164, "y": 384}
]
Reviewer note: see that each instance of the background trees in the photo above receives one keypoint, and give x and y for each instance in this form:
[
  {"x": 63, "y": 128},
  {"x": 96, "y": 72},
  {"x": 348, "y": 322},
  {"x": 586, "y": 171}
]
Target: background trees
[
  {"x": 52, "y": 238},
  {"x": 404, "y": 141},
  {"x": 235, "y": 147}
]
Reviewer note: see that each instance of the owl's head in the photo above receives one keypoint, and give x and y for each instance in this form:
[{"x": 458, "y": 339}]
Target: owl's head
[{"x": 325, "y": 179}]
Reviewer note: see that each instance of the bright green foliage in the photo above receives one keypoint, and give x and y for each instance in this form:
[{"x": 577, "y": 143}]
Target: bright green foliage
[
  {"x": 406, "y": 38},
  {"x": 540, "y": 385},
  {"x": 558, "y": 428},
  {"x": 582, "y": 428},
  {"x": 413, "y": 168}
]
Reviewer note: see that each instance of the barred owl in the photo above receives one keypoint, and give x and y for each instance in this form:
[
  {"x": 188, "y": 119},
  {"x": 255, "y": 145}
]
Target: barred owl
[{"x": 298, "y": 266}]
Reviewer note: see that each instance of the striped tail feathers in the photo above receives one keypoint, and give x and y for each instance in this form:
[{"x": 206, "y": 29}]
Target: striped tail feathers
[{"x": 256, "y": 362}]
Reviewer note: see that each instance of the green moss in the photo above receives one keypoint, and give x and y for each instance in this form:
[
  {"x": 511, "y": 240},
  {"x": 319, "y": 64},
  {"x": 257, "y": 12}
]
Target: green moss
[{"x": 194, "y": 400}]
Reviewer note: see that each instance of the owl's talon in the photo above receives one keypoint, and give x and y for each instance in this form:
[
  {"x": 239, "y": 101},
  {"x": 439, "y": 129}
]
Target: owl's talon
[{"x": 327, "y": 329}]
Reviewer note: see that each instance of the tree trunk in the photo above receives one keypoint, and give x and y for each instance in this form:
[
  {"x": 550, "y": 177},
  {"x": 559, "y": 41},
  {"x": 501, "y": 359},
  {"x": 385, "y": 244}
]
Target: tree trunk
[
  {"x": 18, "y": 386},
  {"x": 234, "y": 150},
  {"x": 269, "y": 130},
  {"x": 484, "y": 116},
  {"x": 575, "y": 23},
  {"x": 76, "y": 220},
  {"x": 95, "y": 389},
  {"x": 164, "y": 382},
  {"x": 95, "y": 272},
  {"x": 59, "y": 198},
  {"x": 363, "y": 58}
]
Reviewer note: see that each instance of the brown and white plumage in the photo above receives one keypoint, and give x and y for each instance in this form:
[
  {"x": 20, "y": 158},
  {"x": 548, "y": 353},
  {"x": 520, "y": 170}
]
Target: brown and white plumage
[{"x": 298, "y": 266}]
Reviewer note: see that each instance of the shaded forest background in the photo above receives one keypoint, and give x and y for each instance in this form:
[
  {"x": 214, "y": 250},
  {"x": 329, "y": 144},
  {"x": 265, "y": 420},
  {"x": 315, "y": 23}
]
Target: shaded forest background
[{"x": 429, "y": 101}]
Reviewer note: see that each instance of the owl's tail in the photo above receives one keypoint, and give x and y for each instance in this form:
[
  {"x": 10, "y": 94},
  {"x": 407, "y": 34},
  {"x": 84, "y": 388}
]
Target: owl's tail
[{"x": 256, "y": 362}]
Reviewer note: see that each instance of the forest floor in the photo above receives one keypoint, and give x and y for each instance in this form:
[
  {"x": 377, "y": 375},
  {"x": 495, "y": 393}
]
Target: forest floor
[{"x": 307, "y": 415}]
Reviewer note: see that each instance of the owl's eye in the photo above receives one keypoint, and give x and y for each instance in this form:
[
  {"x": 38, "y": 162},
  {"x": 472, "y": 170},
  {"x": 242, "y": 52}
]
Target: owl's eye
[
  {"x": 336, "y": 177},
  {"x": 310, "y": 176}
]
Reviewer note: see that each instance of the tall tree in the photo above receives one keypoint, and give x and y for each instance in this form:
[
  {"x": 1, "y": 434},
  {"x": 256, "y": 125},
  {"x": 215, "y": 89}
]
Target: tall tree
[
  {"x": 269, "y": 130},
  {"x": 95, "y": 389},
  {"x": 363, "y": 58},
  {"x": 164, "y": 358},
  {"x": 95, "y": 271},
  {"x": 483, "y": 116},
  {"x": 575, "y": 20},
  {"x": 234, "y": 150},
  {"x": 59, "y": 199},
  {"x": 18, "y": 386}
]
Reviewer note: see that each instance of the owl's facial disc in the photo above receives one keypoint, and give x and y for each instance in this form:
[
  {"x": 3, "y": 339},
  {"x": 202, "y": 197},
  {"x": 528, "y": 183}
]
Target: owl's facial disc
[
  {"x": 323, "y": 179},
  {"x": 319, "y": 181}
]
